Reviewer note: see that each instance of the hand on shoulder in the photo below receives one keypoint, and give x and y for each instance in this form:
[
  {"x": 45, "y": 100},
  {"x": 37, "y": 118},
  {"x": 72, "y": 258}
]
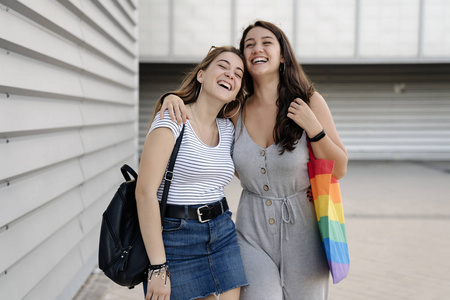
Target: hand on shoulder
[{"x": 176, "y": 108}]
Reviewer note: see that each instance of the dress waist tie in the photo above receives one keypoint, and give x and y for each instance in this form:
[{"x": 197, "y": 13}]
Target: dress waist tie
[{"x": 288, "y": 217}]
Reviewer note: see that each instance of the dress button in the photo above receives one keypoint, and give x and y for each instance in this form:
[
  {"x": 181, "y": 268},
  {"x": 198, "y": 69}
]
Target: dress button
[
  {"x": 269, "y": 202},
  {"x": 266, "y": 187},
  {"x": 271, "y": 221},
  {"x": 263, "y": 170},
  {"x": 263, "y": 152}
]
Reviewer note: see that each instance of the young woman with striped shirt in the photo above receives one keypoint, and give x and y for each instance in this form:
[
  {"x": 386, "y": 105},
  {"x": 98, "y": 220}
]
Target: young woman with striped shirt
[{"x": 198, "y": 243}]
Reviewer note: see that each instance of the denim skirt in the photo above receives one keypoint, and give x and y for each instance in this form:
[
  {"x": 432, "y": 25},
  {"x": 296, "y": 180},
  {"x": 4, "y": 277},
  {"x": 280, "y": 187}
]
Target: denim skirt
[{"x": 203, "y": 258}]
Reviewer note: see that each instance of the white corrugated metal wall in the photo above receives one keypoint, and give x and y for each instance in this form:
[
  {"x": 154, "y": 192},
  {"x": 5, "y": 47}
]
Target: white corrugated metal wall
[
  {"x": 382, "y": 112},
  {"x": 389, "y": 112},
  {"x": 68, "y": 121}
]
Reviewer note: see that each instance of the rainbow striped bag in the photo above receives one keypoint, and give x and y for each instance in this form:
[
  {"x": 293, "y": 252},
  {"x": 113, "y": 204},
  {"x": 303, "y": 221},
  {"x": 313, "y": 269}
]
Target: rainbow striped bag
[{"x": 330, "y": 215}]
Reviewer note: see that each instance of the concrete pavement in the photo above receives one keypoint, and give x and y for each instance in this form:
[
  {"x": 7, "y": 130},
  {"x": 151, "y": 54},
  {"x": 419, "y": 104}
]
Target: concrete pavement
[{"x": 398, "y": 228}]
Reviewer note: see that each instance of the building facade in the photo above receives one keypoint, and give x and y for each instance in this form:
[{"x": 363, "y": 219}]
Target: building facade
[{"x": 383, "y": 66}]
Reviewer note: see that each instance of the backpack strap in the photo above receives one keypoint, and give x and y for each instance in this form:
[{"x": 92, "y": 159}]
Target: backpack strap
[
  {"x": 168, "y": 176},
  {"x": 126, "y": 171}
]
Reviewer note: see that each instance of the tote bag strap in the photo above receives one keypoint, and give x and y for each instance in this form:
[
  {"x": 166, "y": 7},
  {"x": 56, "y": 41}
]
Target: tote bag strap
[
  {"x": 311, "y": 153},
  {"x": 168, "y": 176}
]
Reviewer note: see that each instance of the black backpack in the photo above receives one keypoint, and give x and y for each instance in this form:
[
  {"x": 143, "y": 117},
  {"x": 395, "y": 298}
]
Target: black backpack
[{"x": 122, "y": 255}]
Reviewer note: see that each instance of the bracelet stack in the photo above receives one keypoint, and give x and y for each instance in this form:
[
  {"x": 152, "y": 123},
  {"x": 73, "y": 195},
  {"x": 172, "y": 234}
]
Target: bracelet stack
[
  {"x": 159, "y": 270},
  {"x": 318, "y": 137}
]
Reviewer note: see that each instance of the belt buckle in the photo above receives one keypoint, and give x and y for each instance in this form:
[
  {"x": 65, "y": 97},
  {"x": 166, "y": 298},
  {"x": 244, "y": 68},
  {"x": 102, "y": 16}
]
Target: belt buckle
[{"x": 199, "y": 214}]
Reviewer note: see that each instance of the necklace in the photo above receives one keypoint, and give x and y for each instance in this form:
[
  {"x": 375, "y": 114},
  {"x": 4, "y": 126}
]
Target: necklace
[{"x": 202, "y": 136}]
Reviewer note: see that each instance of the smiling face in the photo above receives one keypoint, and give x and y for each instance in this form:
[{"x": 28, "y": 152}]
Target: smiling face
[
  {"x": 223, "y": 77},
  {"x": 262, "y": 52}
]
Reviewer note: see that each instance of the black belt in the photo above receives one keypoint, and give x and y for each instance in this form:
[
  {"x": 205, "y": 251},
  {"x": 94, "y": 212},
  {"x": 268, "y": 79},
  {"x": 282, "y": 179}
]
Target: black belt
[{"x": 203, "y": 213}]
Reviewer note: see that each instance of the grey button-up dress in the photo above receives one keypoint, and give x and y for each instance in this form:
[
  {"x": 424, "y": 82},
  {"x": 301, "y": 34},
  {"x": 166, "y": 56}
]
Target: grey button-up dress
[{"x": 277, "y": 229}]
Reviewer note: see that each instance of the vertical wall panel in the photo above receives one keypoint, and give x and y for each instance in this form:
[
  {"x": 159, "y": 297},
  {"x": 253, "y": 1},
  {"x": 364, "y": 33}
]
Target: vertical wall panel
[
  {"x": 279, "y": 12},
  {"x": 436, "y": 28},
  {"x": 154, "y": 32},
  {"x": 196, "y": 28},
  {"x": 68, "y": 121},
  {"x": 389, "y": 28},
  {"x": 327, "y": 29}
]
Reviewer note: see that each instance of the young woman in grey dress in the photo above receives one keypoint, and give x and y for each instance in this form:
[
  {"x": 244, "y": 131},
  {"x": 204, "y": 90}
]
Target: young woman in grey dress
[{"x": 277, "y": 229}]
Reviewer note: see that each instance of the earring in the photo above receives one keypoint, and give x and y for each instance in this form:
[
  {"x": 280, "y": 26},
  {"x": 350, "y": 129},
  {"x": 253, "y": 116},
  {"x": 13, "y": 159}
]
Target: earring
[
  {"x": 225, "y": 109},
  {"x": 198, "y": 91},
  {"x": 282, "y": 68}
]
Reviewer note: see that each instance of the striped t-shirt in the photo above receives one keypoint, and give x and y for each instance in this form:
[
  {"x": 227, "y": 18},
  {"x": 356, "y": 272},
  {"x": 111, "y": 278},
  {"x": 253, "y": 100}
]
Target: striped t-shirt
[{"x": 201, "y": 172}]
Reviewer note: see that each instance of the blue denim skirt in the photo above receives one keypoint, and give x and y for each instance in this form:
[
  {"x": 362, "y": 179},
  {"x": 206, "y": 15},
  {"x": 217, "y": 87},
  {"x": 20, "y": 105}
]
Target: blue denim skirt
[{"x": 203, "y": 258}]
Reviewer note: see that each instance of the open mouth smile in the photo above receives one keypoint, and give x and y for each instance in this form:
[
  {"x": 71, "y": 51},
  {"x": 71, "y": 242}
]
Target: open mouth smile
[
  {"x": 224, "y": 84},
  {"x": 259, "y": 60}
]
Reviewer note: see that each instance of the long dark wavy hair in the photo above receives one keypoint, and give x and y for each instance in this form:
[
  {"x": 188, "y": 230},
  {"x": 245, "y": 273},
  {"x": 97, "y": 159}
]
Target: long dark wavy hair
[
  {"x": 293, "y": 84},
  {"x": 190, "y": 87}
]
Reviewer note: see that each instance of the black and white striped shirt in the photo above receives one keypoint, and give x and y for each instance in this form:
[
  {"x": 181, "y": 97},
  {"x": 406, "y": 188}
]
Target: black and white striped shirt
[{"x": 201, "y": 172}]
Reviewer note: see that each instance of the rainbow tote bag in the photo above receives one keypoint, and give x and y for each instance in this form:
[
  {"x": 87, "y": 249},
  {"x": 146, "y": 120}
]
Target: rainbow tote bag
[{"x": 330, "y": 215}]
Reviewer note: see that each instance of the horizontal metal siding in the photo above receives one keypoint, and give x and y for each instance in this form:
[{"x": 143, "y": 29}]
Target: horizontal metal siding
[
  {"x": 68, "y": 121},
  {"x": 389, "y": 112},
  {"x": 154, "y": 81}
]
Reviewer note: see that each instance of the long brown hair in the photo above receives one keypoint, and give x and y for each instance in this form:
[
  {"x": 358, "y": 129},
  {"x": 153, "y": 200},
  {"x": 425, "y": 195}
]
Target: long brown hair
[
  {"x": 293, "y": 84},
  {"x": 190, "y": 87}
]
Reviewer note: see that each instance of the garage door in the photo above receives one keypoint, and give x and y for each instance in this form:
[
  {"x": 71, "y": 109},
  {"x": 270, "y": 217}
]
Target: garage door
[{"x": 382, "y": 112}]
